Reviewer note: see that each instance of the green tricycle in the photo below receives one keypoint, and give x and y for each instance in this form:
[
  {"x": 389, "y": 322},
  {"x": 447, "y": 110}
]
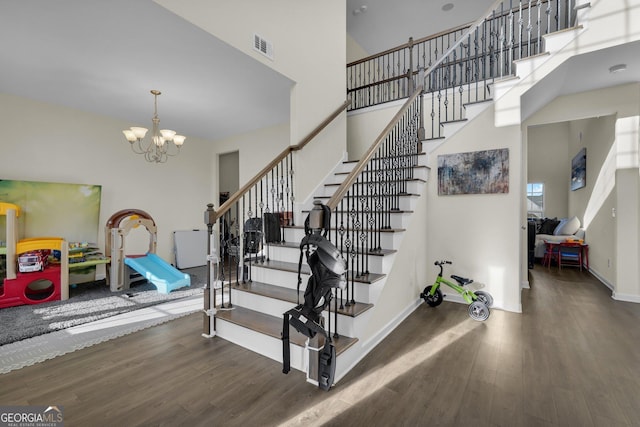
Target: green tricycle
[{"x": 479, "y": 301}]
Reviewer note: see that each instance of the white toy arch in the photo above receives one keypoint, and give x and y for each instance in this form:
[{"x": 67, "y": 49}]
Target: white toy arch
[
  {"x": 118, "y": 227},
  {"x": 150, "y": 266}
]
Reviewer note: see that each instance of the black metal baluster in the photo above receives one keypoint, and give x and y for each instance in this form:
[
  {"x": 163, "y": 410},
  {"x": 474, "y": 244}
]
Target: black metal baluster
[
  {"x": 350, "y": 244},
  {"x": 341, "y": 232},
  {"x": 290, "y": 221},
  {"x": 289, "y": 194},
  {"x": 248, "y": 245}
]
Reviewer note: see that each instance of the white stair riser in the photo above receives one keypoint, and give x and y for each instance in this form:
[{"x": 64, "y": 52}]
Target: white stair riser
[
  {"x": 405, "y": 202},
  {"x": 555, "y": 41},
  {"x": 289, "y": 280},
  {"x": 346, "y": 167},
  {"x": 452, "y": 110},
  {"x": 503, "y": 86},
  {"x": 397, "y": 220},
  {"x": 260, "y": 343},
  {"x": 524, "y": 67},
  {"x": 472, "y": 110},
  {"x": 377, "y": 263},
  {"x": 270, "y": 306},
  {"x": 450, "y": 129},
  {"x": 277, "y": 308},
  {"x": 388, "y": 240},
  {"x": 412, "y": 187},
  {"x": 346, "y": 360}
]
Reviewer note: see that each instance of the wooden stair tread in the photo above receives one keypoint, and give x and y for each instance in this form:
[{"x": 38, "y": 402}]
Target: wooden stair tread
[
  {"x": 357, "y": 197},
  {"x": 537, "y": 55},
  {"x": 382, "y": 230},
  {"x": 388, "y": 157},
  {"x": 290, "y": 295},
  {"x": 272, "y": 326},
  {"x": 481, "y": 101},
  {"x": 453, "y": 121},
  {"x": 337, "y": 184},
  {"x": 506, "y": 79},
  {"x": 294, "y": 245},
  {"x": 386, "y": 211},
  {"x": 414, "y": 167},
  {"x": 293, "y": 268}
]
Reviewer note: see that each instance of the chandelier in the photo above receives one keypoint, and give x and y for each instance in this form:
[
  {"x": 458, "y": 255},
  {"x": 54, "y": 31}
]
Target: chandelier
[{"x": 163, "y": 143}]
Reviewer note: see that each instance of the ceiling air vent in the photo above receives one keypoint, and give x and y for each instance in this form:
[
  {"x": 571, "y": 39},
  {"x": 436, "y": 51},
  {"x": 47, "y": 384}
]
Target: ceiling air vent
[{"x": 263, "y": 46}]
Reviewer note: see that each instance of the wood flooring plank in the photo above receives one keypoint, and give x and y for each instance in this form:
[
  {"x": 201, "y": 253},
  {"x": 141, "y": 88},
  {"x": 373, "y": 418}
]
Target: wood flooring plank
[
  {"x": 571, "y": 358},
  {"x": 571, "y": 407}
]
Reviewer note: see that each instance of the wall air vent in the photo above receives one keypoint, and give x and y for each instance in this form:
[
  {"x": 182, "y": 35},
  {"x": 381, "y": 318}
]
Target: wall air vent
[{"x": 263, "y": 46}]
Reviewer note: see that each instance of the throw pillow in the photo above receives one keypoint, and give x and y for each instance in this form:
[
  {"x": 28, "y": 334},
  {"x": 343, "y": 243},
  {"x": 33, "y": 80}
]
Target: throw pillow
[
  {"x": 548, "y": 226},
  {"x": 567, "y": 227}
]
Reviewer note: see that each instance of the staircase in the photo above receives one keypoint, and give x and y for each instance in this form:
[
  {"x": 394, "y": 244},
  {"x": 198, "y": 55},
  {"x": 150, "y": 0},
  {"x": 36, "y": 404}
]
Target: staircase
[
  {"x": 255, "y": 321},
  {"x": 255, "y": 318}
]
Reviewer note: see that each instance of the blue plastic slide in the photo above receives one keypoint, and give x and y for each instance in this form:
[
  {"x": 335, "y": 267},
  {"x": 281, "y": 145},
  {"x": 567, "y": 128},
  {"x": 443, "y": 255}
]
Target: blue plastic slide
[{"x": 157, "y": 271}]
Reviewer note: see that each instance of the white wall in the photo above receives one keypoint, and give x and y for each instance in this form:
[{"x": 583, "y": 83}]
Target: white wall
[
  {"x": 48, "y": 143},
  {"x": 228, "y": 174},
  {"x": 364, "y": 126},
  {"x": 627, "y": 215},
  {"x": 547, "y": 160},
  {"x": 480, "y": 232},
  {"x": 309, "y": 48},
  {"x": 595, "y": 114},
  {"x": 593, "y": 203},
  {"x": 408, "y": 276},
  {"x": 354, "y": 50},
  {"x": 255, "y": 150}
]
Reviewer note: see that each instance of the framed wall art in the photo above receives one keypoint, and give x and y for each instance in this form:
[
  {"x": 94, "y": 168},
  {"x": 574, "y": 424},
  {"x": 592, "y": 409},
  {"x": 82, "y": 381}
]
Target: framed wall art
[
  {"x": 477, "y": 172},
  {"x": 579, "y": 170}
]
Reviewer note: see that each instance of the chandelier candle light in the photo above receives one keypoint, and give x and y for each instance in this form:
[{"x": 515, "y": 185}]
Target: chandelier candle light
[{"x": 158, "y": 148}]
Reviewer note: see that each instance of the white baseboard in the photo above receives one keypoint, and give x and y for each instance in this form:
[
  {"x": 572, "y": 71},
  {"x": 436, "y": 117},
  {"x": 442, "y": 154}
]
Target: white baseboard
[
  {"x": 625, "y": 297},
  {"x": 373, "y": 342},
  {"x": 604, "y": 281},
  {"x": 615, "y": 295}
]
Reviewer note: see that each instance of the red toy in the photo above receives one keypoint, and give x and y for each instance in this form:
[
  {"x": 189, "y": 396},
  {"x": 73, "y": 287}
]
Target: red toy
[{"x": 49, "y": 284}]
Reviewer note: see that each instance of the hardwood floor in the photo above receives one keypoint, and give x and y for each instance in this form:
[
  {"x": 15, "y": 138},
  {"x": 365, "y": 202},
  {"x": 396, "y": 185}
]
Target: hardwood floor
[{"x": 572, "y": 358}]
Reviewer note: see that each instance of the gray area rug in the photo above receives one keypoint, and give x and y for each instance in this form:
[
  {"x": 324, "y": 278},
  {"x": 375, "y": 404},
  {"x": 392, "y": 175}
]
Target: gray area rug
[
  {"x": 30, "y": 351},
  {"x": 87, "y": 303}
]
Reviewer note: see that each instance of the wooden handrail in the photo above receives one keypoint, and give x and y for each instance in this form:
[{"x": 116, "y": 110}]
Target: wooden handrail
[
  {"x": 235, "y": 197},
  {"x": 351, "y": 178},
  {"x": 406, "y": 45}
]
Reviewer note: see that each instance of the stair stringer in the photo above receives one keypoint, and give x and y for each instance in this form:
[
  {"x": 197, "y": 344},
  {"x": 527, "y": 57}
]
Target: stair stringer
[
  {"x": 398, "y": 296},
  {"x": 529, "y": 71},
  {"x": 330, "y": 177},
  {"x": 471, "y": 111},
  {"x": 356, "y": 326}
]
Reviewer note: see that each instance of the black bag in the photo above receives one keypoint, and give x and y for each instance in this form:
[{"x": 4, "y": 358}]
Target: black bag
[
  {"x": 272, "y": 228},
  {"x": 328, "y": 269},
  {"x": 253, "y": 235}
]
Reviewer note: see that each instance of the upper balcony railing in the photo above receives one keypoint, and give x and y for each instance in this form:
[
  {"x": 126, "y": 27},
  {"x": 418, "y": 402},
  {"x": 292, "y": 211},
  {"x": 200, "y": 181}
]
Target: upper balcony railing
[{"x": 473, "y": 54}]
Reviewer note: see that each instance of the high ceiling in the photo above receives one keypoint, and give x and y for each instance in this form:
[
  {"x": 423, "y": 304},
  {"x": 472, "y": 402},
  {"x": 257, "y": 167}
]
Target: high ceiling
[
  {"x": 105, "y": 56},
  {"x": 377, "y": 25}
]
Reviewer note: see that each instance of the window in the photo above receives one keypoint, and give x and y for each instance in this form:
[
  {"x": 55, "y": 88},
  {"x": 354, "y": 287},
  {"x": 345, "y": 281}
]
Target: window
[{"x": 535, "y": 200}]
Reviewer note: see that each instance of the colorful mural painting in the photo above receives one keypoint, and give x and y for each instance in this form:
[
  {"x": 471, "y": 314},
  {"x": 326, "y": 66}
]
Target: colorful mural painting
[
  {"x": 70, "y": 211},
  {"x": 478, "y": 172}
]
